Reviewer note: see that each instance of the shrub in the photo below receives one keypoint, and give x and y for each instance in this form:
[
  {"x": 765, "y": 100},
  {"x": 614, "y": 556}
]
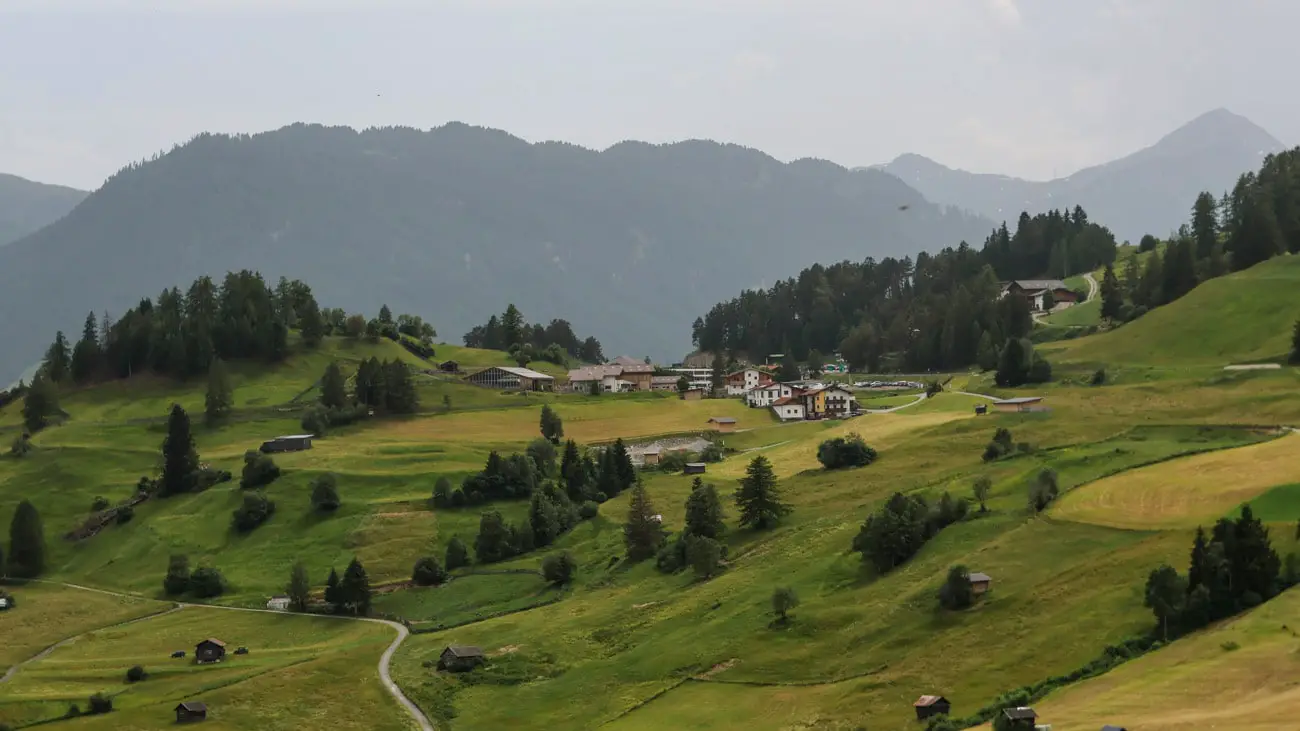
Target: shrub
[
  {"x": 783, "y": 601},
  {"x": 442, "y": 493},
  {"x": 316, "y": 420},
  {"x": 22, "y": 445},
  {"x": 712, "y": 453},
  {"x": 255, "y": 510},
  {"x": 849, "y": 451},
  {"x": 428, "y": 572},
  {"x": 99, "y": 703},
  {"x": 457, "y": 554},
  {"x": 673, "y": 462},
  {"x": 999, "y": 447},
  {"x": 125, "y": 514},
  {"x": 325, "y": 493},
  {"x": 73, "y": 711},
  {"x": 1043, "y": 490},
  {"x": 136, "y": 674},
  {"x": 956, "y": 591},
  {"x": 559, "y": 568},
  {"x": 206, "y": 582},
  {"x": 588, "y": 510},
  {"x": 259, "y": 470},
  {"x": 206, "y": 477},
  {"x": 932, "y": 388},
  {"x": 704, "y": 555},
  {"x": 99, "y": 503},
  {"x": 458, "y": 498},
  {"x": 1098, "y": 378}
]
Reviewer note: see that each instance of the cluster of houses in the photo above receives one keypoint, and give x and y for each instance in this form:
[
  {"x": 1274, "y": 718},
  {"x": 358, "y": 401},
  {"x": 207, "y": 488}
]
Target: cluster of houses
[{"x": 791, "y": 401}]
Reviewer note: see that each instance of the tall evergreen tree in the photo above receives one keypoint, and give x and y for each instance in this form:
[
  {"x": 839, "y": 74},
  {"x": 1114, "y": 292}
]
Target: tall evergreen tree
[
  {"x": 1112, "y": 300},
  {"x": 552, "y": 425},
  {"x": 1205, "y": 224},
  {"x": 512, "y": 327},
  {"x": 299, "y": 588},
  {"x": 311, "y": 323},
  {"x": 788, "y": 372},
  {"x": 332, "y": 596},
  {"x": 621, "y": 463},
  {"x": 86, "y": 356},
  {"x": 220, "y": 398},
  {"x": 1179, "y": 273},
  {"x": 333, "y": 387},
  {"x": 572, "y": 472},
  {"x": 180, "y": 458},
  {"x": 704, "y": 511},
  {"x": 354, "y": 589},
  {"x": 58, "y": 361},
  {"x": 718, "y": 375},
  {"x": 642, "y": 533},
  {"x": 40, "y": 403},
  {"x": 26, "y": 543},
  {"x": 1150, "y": 294},
  {"x": 1258, "y": 236},
  {"x": 759, "y": 496}
]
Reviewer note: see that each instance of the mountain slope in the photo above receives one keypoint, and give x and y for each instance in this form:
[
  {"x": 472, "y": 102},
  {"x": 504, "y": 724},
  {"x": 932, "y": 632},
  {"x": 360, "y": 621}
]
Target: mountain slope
[
  {"x": 26, "y": 206},
  {"x": 629, "y": 244},
  {"x": 1150, "y": 191}
]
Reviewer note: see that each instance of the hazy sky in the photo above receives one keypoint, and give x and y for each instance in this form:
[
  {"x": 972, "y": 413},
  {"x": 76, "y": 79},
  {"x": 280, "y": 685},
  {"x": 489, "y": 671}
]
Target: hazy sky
[{"x": 1025, "y": 87}]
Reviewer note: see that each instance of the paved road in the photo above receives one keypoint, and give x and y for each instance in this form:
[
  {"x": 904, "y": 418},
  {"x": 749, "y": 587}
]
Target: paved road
[
  {"x": 402, "y": 633},
  {"x": 919, "y": 398}
]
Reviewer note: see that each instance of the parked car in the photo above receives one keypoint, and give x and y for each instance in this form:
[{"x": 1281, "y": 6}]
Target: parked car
[{"x": 241, "y": 651}]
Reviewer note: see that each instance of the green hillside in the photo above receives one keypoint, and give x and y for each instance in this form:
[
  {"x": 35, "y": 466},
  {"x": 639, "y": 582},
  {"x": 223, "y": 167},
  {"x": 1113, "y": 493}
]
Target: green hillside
[
  {"x": 1241, "y": 318},
  {"x": 624, "y": 646}
]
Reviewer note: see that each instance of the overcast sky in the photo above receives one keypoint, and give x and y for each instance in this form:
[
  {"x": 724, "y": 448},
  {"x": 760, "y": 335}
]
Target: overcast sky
[{"x": 1033, "y": 88}]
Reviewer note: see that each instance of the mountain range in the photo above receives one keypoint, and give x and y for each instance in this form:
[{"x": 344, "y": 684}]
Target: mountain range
[
  {"x": 26, "y": 206},
  {"x": 1148, "y": 192},
  {"x": 630, "y": 244}
]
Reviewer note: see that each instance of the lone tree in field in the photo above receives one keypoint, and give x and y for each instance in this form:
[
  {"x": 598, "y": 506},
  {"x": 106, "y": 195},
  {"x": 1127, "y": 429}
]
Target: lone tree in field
[
  {"x": 40, "y": 403},
  {"x": 325, "y": 493},
  {"x": 1112, "y": 299},
  {"x": 558, "y": 568},
  {"x": 552, "y": 425},
  {"x": 981, "y": 488},
  {"x": 220, "y": 399},
  {"x": 333, "y": 387},
  {"x": 180, "y": 459},
  {"x": 643, "y": 533},
  {"x": 26, "y": 543},
  {"x": 783, "y": 601},
  {"x": 759, "y": 496},
  {"x": 956, "y": 592},
  {"x": 299, "y": 588},
  {"x": 428, "y": 572},
  {"x": 354, "y": 589}
]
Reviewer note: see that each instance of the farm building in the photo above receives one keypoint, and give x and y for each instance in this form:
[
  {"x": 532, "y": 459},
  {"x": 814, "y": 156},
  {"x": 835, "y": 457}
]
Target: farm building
[
  {"x": 449, "y": 366},
  {"x": 1022, "y": 717},
  {"x": 723, "y": 423},
  {"x": 509, "y": 378},
  {"x": 693, "y": 468},
  {"x": 663, "y": 383},
  {"x": 981, "y": 409},
  {"x": 651, "y": 455},
  {"x": 292, "y": 443},
  {"x": 279, "y": 603},
  {"x": 1109, "y": 727},
  {"x": 460, "y": 658},
  {"x": 1023, "y": 403},
  {"x": 931, "y": 705},
  {"x": 191, "y": 711},
  {"x": 1034, "y": 291},
  {"x": 693, "y": 394},
  {"x": 980, "y": 583},
  {"x": 209, "y": 650}
]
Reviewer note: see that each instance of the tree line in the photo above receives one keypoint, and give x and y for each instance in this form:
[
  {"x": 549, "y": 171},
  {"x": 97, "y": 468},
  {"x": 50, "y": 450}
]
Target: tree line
[{"x": 554, "y": 343}]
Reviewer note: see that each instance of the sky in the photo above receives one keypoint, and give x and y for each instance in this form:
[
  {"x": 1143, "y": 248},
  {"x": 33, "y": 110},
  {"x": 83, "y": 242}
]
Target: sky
[{"x": 1032, "y": 88}]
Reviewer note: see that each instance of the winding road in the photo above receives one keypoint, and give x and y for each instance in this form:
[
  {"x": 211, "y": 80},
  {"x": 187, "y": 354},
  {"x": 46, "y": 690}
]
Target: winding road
[
  {"x": 402, "y": 633},
  {"x": 1092, "y": 285}
]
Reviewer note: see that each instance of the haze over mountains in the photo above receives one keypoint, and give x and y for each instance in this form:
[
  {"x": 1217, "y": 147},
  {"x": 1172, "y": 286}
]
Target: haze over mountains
[
  {"x": 1150, "y": 191},
  {"x": 26, "y": 206},
  {"x": 630, "y": 244}
]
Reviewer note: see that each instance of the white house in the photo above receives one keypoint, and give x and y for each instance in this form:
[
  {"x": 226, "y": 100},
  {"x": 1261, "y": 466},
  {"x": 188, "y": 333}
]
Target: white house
[
  {"x": 764, "y": 396},
  {"x": 278, "y": 603},
  {"x": 788, "y": 409},
  {"x": 742, "y": 382}
]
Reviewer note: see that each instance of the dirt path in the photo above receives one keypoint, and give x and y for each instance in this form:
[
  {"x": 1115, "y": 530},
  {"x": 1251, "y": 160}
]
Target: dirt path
[
  {"x": 402, "y": 633},
  {"x": 9, "y": 674},
  {"x": 1092, "y": 285},
  {"x": 919, "y": 398}
]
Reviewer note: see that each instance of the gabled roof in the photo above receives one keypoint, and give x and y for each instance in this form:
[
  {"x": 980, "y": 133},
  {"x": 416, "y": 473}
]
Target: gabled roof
[
  {"x": 977, "y": 576},
  {"x": 1024, "y": 713},
  {"x": 193, "y": 707},
  {"x": 211, "y": 640},
  {"x": 929, "y": 700},
  {"x": 521, "y": 372},
  {"x": 464, "y": 650},
  {"x": 785, "y": 401},
  {"x": 1020, "y": 400},
  {"x": 1038, "y": 284},
  {"x": 626, "y": 360}
]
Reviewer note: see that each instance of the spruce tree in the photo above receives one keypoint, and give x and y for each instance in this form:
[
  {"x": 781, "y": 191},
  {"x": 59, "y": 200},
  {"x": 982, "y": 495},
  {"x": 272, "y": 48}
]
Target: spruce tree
[
  {"x": 704, "y": 511},
  {"x": 1205, "y": 224},
  {"x": 220, "y": 398},
  {"x": 354, "y": 589},
  {"x": 1112, "y": 299},
  {"x": 299, "y": 589},
  {"x": 719, "y": 375},
  {"x": 332, "y": 590},
  {"x": 40, "y": 403},
  {"x": 1013, "y": 368},
  {"x": 643, "y": 533},
  {"x": 311, "y": 323},
  {"x": 551, "y": 424},
  {"x": 623, "y": 466},
  {"x": 759, "y": 496},
  {"x": 58, "y": 361},
  {"x": 333, "y": 388},
  {"x": 86, "y": 355},
  {"x": 180, "y": 459},
  {"x": 26, "y": 543}
]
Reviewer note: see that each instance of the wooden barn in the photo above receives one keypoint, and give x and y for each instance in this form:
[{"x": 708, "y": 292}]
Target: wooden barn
[
  {"x": 1021, "y": 404},
  {"x": 931, "y": 705},
  {"x": 692, "y": 394},
  {"x": 449, "y": 366},
  {"x": 291, "y": 443},
  {"x": 723, "y": 423},
  {"x": 210, "y": 650},
  {"x": 191, "y": 711},
  {"x": 460, "y": 658},
  {"x": 980, "y": 583},
  {"x": 1020, "y": 718},
  {"x": 694, "y": 468}
]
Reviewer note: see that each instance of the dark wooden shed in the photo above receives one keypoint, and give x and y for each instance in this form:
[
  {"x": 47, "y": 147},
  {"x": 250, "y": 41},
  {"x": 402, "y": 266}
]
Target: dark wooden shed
[
  {"x": 191, "y": 711},
  {"x": 693, "y": 468},
  {"x": 931, "y": 705},
  {"x": 461, "y": 658},
  {"x": 1109, "y": 727},
  {"x": 209, "y": 650},
  {"x": 291, "y": 443},
  {"x": 449, "y": 366},
  {"x": 1022, "y": 717}
]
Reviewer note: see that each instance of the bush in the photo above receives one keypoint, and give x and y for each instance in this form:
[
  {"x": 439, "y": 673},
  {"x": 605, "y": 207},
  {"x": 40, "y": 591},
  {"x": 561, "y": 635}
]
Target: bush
[
  {"x": 956, "y": 591},
  {"x": 457, "y": 554},
  {"x": 1043, "y": 490},
  {"x": 22, "y": 445},
  {"x": 559, "y": 568},
  {"x": 932, "y": 388},
  {"x": 712, "y": 453},
  {"x": 316, "y": 420},
  {"x": 136, "y": 674},
  {"x": 1098, "y": 378},
  {"x": 125, "y": 514},
  {"x": 325, "y": 493},
  {"x": 428, "y": 572},
  {"x": 73, "y": 711},
  {"x": 255, "y": 510},
  {"x": 98, "y": 504},
  {"x": 999, "y": 447},
  {"x": 840, "y": 452},
  {"x": 99, "y": 703},
  {"x": 783, "y": 600},
  {"x": 206, "y": 582},
  {"x": 206, "y": 477},
  {"x": 442, "y": 493},
  {"x": 259, "y": 470},
  {"x": 673, "y": 462},
  {"x": 458, "y": 498},
  {"x": 588, "y": 510}
]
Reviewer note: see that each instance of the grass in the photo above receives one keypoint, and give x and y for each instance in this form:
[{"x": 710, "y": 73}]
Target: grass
[
  {"x": 465, "y": 598},
  {"x": 1080, "y": 315},
  {"x": 1279, "y": 505},
  {"x": 1186, "y": 492},
  {"x": 48, "y": 614},
  {"x": 292, "y": 659}
]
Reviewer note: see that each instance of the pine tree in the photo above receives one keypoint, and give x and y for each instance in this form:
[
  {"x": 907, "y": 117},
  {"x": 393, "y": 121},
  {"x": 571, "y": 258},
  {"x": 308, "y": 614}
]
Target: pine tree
[
  {"x": 759, "y": 496},
  {"x": 299, "y": 589},
  {"x": 1132, "y": 280},
  {"x": 643, "y": 533},
  {"x": 704, "y": 511},
  {"x": 512, "y": 327},
  {"x": 58, "y": 361},
  {"x": 332, "y": 596},
  {"x": 1012, "y": 364},
  {"x": 354, "y": 589},
  {"x": 26, "y": 543},
  {"x": 1258, "y": 236},
  {"x": 86, "y": 355},
  {"x": 1205, "y": 224},
  {"x": 220, "y": 398},
  {"x": 623, "y": 467},
  {"x": 572, "y": 472},
  {"x": 789, "y": 370},
  {"x": 1150, "y": 294},
  {"x": 719, "y": 374},
  {"x": 311, "y": 323},
  {"x": 333, "y": 388},
  {"x": 180, "y": 459},
  {"x": 40, "y": 403},
  {"x": 551, "y": 424},
  {"x": 1112, "y": 300}
]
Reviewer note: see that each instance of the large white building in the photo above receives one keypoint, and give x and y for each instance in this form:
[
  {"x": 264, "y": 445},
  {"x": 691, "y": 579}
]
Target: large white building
[
  {"x": 697, "y": 377},
  {"x": 764, "y": 396},
  {"x": 742, "y": 382}
]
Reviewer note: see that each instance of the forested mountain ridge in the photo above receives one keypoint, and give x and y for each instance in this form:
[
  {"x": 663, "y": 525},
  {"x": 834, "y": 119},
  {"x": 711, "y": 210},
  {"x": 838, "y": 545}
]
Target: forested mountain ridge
[
  {"x": 629, "y": 243},
  {"x": 27, "y": 206},
  {"x": 1142, "y": 193}
]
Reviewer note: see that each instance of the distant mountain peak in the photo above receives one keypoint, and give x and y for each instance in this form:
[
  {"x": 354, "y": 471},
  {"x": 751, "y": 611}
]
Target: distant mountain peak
[{"x": 1215, "y": 126}]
